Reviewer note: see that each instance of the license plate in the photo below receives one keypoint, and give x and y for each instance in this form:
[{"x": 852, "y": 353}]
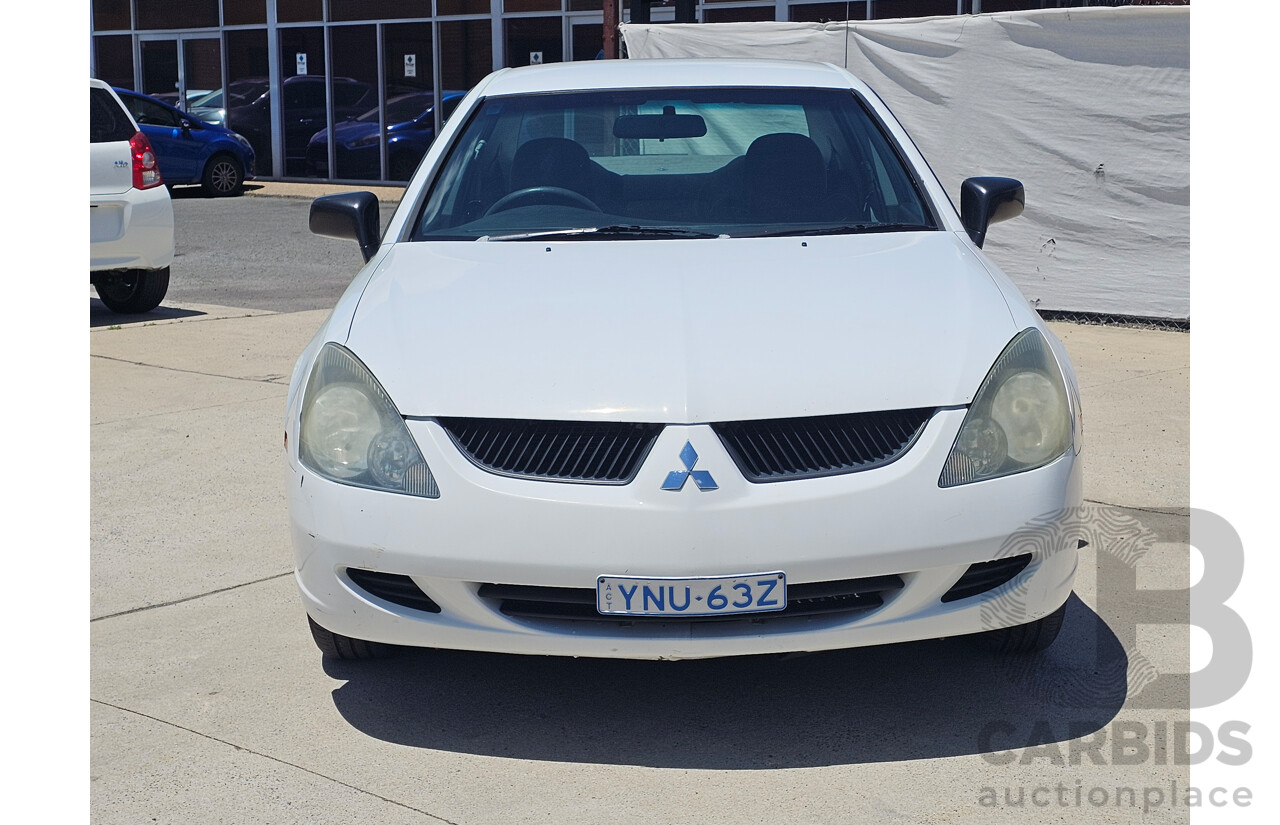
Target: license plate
[{"x": 710, "y": 596}]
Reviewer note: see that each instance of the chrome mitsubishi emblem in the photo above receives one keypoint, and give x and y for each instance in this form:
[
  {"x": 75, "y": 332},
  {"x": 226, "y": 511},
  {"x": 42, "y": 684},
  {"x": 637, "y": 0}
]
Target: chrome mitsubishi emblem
[{"x": 676, "y": 478}]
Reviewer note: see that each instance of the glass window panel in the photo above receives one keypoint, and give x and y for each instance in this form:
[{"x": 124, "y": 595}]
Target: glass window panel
[
  {"x": 407, "y": 56},
  {"x": 530, "y": 5},
  {"x": 888, "y": 9},
  {"x": 303, "y": 110},
  {"x": 166, "y": 14},
  {"x": 113, "y": 59},
  {"x": 299, "y": 11},
  {"x": 202, "y": 67},
  {"x": 466, "y": 52},
  {"x": 462, "y": 7},
  {"x": 245, "y": 106},
  {"x": 379, "y": 9},
  {"x": 588, "y": 41},
  {"x": 531, "y": 37},
  {"x": 739, "y": 15},
  {"x": 410, "y": 95},
  {"x": 1013, "y": 5},
  {"x": 160, "y": 68},
  {"x": 111, "y": 14},
  {"x": 242, "y": 12},
  {"x": 823, "y": 12},
  {"x": 355, "y": 128}
]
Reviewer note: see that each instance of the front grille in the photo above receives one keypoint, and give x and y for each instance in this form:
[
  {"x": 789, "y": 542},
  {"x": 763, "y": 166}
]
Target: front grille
[
  {"x": 847, "y": 597},
  {"x": 394, "y": 588},
  {"x": 986, "y": 575},
  {"x": 789, "y": 448},
  {"x": 578, "y": 451}
]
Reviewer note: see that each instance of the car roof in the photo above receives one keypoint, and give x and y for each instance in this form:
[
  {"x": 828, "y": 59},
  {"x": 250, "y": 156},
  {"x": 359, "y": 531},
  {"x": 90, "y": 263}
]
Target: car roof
[
  {"x": 123, "y": 91},
  {"x": 669, "y": 72}
]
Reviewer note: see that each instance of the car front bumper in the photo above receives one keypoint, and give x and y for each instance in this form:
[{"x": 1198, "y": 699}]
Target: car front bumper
[{"x": 489, "y": 529}]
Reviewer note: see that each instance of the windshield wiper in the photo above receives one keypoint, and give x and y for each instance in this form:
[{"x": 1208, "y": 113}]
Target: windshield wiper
[
  {"x": 845, "y": 229},
  {"x": 612, "y": 231},
  {"x": 620, "y": 231}
]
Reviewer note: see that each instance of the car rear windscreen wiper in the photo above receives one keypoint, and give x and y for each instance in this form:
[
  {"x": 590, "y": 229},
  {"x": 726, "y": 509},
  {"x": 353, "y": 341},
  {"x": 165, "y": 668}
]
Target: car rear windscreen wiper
[
  {"x": 612, "y": 231},
  {"x": 845, "y": 229}
]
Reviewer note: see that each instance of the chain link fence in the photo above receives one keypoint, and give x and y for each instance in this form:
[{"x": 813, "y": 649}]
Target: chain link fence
[{"x": 1104, "y": 319}]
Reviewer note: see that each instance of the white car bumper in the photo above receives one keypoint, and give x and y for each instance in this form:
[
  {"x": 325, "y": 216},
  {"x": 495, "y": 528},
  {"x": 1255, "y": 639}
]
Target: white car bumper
[
  {"x": 490, "y": 529},
  {"x": 133, "y": 230}
]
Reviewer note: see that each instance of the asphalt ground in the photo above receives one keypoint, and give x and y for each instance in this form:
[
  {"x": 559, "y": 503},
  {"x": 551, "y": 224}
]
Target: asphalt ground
[{"x": 209, "y": 702}]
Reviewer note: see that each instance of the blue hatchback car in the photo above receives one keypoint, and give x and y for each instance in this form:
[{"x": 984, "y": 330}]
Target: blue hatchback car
[{"x": 191, "y": 150}]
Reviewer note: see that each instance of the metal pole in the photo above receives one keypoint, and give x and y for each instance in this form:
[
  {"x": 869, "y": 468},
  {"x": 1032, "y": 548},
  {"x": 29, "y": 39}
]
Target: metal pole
[
  {"x": 435, "y": 68},
  {"x": 276, "y": 83},
  {"x": 383, "y": 161},
  {"x": 610, "y": 29},
  {"x": 330, "y": 142}
]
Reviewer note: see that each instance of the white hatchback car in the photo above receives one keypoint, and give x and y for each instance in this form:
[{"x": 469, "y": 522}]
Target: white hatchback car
[
  {"x": 130, "y": 213},
  {"x": 675, "y": 359}
]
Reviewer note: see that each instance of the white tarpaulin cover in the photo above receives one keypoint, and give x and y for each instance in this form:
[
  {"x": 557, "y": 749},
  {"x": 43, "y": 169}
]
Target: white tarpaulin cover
[{"x": 1090, "y": 108}]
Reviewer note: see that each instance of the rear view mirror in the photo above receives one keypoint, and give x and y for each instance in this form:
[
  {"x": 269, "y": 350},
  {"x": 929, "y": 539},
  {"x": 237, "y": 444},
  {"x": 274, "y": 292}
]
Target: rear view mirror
[{"x": 660, "y": 127}]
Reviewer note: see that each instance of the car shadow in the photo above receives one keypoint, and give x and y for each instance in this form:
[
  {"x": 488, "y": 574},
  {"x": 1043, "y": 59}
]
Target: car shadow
[
  {"x": 920, "y": 700},
  {"x": 182, "y": 192},
  {"x": 100, "y": 316}
]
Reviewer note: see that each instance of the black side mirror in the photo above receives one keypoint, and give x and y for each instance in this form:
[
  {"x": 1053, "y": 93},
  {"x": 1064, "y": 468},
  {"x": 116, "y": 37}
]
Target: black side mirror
[
  {"x": 186, "y": 125},
  {"x": 984, "y": 201},
  {"x": 349, "y": 216}
]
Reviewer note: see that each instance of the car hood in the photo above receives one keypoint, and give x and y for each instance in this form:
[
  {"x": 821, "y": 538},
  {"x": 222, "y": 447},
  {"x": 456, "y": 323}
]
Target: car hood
[{"x": 680, "y": 331}]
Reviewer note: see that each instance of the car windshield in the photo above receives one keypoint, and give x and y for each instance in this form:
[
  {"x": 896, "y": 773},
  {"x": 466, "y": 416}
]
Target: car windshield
[{"x": 671, "y": 163}]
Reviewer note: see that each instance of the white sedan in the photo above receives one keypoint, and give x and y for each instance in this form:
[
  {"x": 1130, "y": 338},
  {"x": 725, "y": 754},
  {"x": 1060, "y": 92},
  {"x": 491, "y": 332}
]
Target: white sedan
[{"x": 674, "y": 359}]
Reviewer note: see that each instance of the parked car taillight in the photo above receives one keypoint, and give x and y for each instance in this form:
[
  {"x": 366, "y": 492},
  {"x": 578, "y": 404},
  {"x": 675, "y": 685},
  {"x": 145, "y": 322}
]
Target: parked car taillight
[{"x": 146, "y": 171}]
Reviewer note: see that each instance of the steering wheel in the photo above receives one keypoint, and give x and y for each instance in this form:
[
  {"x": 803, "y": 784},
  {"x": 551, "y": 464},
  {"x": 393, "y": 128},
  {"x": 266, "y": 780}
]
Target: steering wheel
[{"x": 542, "y": 194}]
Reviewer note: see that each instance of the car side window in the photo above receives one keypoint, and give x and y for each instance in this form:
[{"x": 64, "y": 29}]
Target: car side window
[
  {"x": 146, "y": 112},
  {"x": 107, "y": 121}
]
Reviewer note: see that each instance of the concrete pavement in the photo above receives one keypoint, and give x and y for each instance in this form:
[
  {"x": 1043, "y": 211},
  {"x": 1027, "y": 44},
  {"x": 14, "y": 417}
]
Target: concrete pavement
[
  {"x": 290, "y": 189},
  {"x": 209, "y": 702}
]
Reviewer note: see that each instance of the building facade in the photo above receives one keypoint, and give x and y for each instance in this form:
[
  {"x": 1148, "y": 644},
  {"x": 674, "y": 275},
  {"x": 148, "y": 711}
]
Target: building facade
[{"x": 341, "y": 89}]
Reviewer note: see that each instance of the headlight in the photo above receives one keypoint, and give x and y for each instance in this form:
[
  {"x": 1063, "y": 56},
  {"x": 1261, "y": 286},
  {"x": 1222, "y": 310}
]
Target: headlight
[
  {"x": 1020, "y": 418},
  {"x": 367, "y": 140},
  {"x": 353, "y": 434}
]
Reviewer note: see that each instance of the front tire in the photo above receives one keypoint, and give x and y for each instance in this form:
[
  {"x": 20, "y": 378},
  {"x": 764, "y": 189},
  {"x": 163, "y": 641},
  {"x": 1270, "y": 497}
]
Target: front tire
[
  {"x": 1027, "y": 638},
  {"x": 132, "y": 291},
  {"x": 336, "y": 646},
  {"x": 223, "y": 176}
]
